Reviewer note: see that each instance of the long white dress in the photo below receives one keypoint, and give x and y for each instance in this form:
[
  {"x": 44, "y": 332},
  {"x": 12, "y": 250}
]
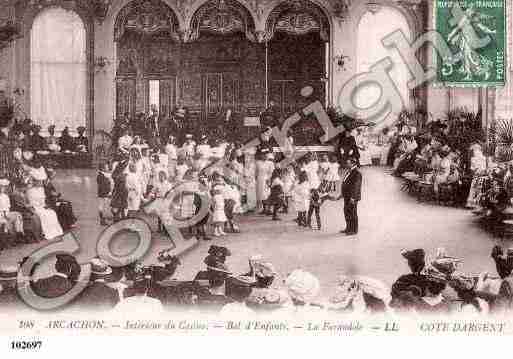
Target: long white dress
[
  {"x": 135, "y": 192},
  {"x": 301, "y": 196},
  {"x": 312, "y": 171},
  {"x": 49, "y": 223},
  {"x": 264, "y": 171},
  {"x": 250, "y": 185}
]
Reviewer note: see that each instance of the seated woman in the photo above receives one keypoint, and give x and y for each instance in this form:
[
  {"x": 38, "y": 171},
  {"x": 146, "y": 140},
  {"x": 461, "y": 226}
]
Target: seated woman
[
  {"x": 11, "y": 221},
  {"x": 441, "y": 173},
  {"x": 477, "y": 168},
  {"x": 35, "y": 194},
  {"x": 54, "y": 201}
]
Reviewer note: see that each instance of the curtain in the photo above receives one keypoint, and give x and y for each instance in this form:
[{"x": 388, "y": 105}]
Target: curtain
[
  {"x": 58, "y": 69},
  {"x": 370, "y": 50}
]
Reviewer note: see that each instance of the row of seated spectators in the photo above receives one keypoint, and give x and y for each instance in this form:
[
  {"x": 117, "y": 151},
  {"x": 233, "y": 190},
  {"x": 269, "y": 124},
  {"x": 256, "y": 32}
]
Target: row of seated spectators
[
  {"x": 433, "y": 286},
  {"x": 31, "y": 208}
]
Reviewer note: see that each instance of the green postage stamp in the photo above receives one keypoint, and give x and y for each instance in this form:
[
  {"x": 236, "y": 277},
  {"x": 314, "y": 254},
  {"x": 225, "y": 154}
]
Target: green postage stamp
[{"x": 475, "y": 32}]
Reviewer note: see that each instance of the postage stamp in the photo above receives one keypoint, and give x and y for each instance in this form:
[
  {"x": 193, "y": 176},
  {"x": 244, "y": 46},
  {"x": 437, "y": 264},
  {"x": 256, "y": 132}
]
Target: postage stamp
[{"x": 475, "y": 31}]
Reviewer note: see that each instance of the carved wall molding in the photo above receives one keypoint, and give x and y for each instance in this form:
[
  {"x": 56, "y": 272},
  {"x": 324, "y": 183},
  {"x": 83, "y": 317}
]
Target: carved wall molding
[
  {"x": 221, "y": 17},
  {"x": 96, "y": 9},
  {"x": 147, "y": 18},
  {"x": 297, "y": 17}
]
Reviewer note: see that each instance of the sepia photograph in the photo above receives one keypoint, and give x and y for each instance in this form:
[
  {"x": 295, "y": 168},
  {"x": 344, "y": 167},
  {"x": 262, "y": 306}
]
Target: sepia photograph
[{"x": 250, "y": 167}]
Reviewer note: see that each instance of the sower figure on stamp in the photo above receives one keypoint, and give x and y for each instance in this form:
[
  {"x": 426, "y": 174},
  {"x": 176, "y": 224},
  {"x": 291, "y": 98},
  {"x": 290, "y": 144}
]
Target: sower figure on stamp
[{"x": 351, "y": 192}]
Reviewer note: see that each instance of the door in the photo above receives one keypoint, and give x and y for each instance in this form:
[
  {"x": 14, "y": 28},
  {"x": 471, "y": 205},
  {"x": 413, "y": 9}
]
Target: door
[
  {"x": 221, "y": 92},
  {"x": 125, "y": 97}
]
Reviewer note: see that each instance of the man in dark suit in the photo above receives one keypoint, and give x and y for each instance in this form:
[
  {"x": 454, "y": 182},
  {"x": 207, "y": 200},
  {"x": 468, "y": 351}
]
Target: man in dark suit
[
  {"x": 351, "y": 192},
  {"x": 347, "y": 148}
]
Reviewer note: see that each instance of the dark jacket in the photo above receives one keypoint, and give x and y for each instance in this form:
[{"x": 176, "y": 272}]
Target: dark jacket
[
  {"x": 98, "y": 296},
  {"x": 38, "y": 143},
  {"x": 352, "y": 186},
  {"x": 347, "y": 144},
  {"x": 52, "y": 287},
  {"x": 82, "y": 141},
  {"x": 104, "y": 185}
]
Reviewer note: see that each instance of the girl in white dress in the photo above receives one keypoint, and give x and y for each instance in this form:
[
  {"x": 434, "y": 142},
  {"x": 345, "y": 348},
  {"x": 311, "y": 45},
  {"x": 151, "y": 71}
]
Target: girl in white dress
[
  {"x": 311, "y": 167},
  {"x": 134, "y": 188},
  {"x": 333, "y": 176},
  {"x": 249, "y": 183},
  {"x": 172, "y": 156},
  {"x": 264, "y": 171},
  {"x": 301, "y": 197},
  {"x": 181, "y": 170},
  {"x": 324, "y": 167},
  {"x": 218, "y": 214},
  {"x": 289, "y": 178}
]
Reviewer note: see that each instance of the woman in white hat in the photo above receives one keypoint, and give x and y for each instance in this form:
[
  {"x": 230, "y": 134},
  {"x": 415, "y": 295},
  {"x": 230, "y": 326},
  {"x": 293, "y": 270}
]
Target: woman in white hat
[
  {"x": 36, "y": 198},
  {"x": 303, "y": 288}
]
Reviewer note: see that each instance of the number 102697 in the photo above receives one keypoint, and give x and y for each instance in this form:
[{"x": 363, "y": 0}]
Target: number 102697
[{"x": 26, "y": 345}]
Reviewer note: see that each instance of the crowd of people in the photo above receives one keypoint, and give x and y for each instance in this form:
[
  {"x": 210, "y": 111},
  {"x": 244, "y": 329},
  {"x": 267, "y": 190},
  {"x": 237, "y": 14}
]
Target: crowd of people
[
  {"x": 434, "y": 286},
  {"x": 140, "y": 176},
  {"x": 31, "y": 208}
]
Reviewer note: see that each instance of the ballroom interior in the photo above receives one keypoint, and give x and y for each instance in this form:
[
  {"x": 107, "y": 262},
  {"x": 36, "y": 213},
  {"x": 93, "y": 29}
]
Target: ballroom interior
[{"x": 119, "y": 57}]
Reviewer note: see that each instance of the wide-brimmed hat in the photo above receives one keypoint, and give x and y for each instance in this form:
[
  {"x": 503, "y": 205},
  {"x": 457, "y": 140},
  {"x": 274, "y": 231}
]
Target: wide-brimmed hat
[
  {"x": 100, "y": 267},
  {"x": 415, "y": 255},
  {"x": 444, "y": 263},
  {"x": 302, "y": 286},
  {"x": 8, "y": 273},
  {"x": 219, "y": 251},
  {"x": 81, "y": 129},
  {"x": 264, "y": 269},
  {"x": 216, "y": 265}
]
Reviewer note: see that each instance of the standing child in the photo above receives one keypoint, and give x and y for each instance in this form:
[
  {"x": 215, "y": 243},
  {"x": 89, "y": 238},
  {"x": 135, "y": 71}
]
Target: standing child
[
  {"x": 231, "y": 206},
  {"x": 134, "y": 188},
  {"x": 119, "y": 202},
  {"x": 105, "y": 187},
  {"x": 333, "y": 174},
  {"x": 172, "y": 156},
  {"x": 181, "y": 169},
  {"x": 276, "y": 198},
  {"x": 301, "y": 196},
  {"x": 324, "y": 167},
  {"x": 316, "y": 200},
  {"x": 289, "y": 178},
  {"x": 218, "y": 214}
]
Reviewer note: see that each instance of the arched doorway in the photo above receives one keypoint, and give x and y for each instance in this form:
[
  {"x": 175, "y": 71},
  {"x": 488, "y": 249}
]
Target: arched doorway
[
  {"x": 58, "y": 69},
  {"x": 370, "y": 50},
  {"x": 297, "y": 54},
  {"x": 148, "y": 47}
]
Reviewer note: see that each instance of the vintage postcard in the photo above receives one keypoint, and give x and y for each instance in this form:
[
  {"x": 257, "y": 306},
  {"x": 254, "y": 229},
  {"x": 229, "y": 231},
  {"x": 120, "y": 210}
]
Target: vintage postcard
[{"x": 270, "y": 167}]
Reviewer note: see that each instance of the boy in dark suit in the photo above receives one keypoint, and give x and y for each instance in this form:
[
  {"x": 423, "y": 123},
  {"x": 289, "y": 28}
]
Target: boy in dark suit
[
  {"x": 351, "y": 192},
  {"x": 105, "y": 187}
]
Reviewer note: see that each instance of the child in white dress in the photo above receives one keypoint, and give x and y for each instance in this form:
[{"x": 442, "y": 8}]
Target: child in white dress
[
  {"x": 333, "y": 176},
  {"x": 324, "y": 167},
  {"x": 289, "y": 178},
  {"x": 218, "y": 214}
]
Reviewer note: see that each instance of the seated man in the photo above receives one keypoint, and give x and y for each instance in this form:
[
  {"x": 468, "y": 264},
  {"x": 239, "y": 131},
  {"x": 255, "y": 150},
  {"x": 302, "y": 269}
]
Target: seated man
[
  {"x": 67, "y": 271},
  {"x": 52, "y": 141},
  {"x": 37, "y": 142},
  {"x": 81, "y": 142}
]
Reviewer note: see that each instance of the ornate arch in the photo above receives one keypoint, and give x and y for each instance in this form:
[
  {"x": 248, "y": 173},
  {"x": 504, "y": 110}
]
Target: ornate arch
[
  {"x": 297, "y": 17},
  {"x": 147, "y": 18},
  {"x": 221, "y": 17}
]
